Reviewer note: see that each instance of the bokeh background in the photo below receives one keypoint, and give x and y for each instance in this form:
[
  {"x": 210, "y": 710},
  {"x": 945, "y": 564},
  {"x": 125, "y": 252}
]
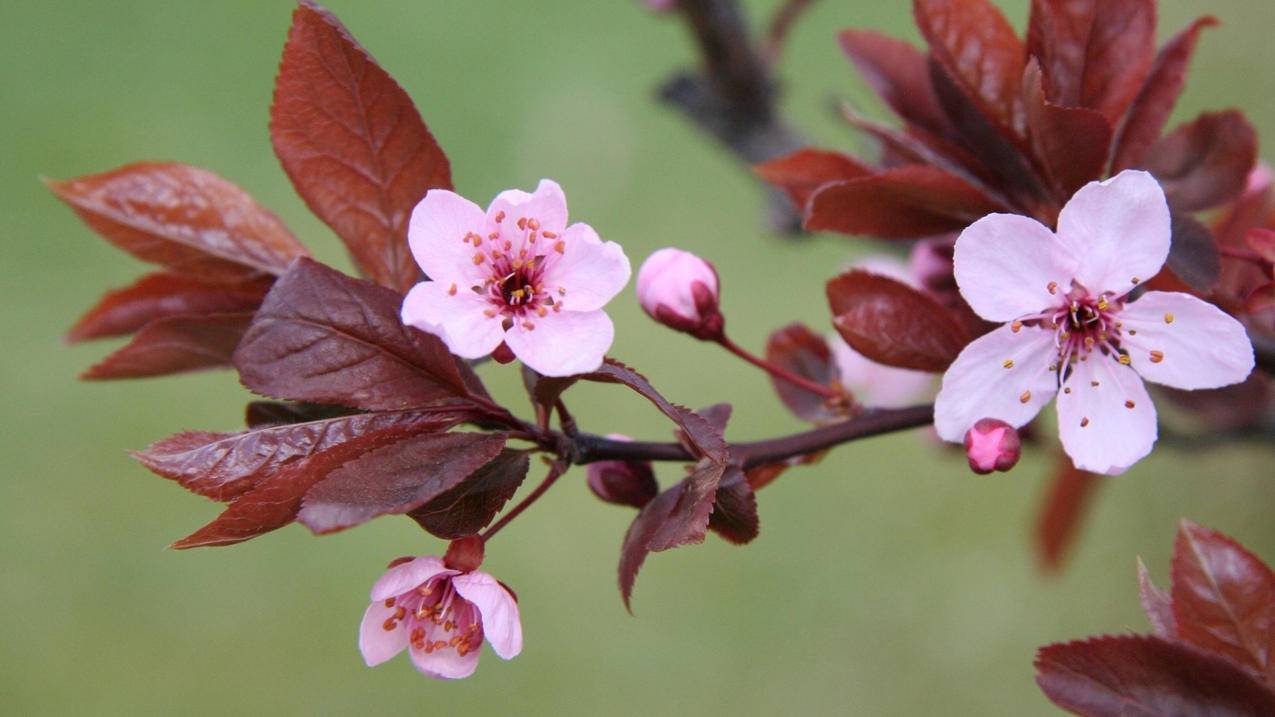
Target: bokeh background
[{"x": 887, "y": 580}]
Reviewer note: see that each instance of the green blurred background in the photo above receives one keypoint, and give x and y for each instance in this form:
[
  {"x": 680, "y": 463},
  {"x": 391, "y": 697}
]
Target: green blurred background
[{"x": 888, "y": 580}]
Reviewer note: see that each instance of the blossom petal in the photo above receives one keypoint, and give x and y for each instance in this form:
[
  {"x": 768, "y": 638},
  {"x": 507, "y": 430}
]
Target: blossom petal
[
  {"x": 591, "y": 271},
  {"x": 1105, "y": 418},
  {"x": 401, "y": 578},
  {"x": 1180, "y": 341},
  {"x": 564, "y": 343},
  {"x": 501, "y": 623},
  {"x": 1121, "y": 230},
  {"x": 978, "y": 384},
  {"x": 445, "y": 664},
  {"x": 459, "y": 318},
  {"x": 375, "y": 642},
  {"x": 436, "y": 235},
  {"x": 548, "y": 205},
  {"x": 875, "y": 384},
  {"x": 1006, "y": 264}
]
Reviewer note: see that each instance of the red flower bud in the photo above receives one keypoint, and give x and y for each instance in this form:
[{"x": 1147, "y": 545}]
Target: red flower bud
[
  {"x": 992, "y": 445},
  {"x": 680, "y": 290},
  {"x": 464, "y": 554},
  {"x": 630, "y": 483}
]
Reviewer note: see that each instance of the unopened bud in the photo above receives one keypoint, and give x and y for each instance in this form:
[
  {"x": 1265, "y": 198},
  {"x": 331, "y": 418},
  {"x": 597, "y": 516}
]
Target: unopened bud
[
  {"x": 992, "y": 445},
  {"x": 930, "y": 264},
  {"x": 630, "y": 483},
  {"x": 464, "y": 554},
  {"x": 680, "y": 290}
]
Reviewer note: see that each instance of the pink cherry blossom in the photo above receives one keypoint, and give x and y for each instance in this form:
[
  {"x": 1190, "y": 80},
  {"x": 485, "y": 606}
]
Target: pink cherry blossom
[
  {"x": 992, "y": 445},
  {"x": 441, "y": 616},
  {"x": 874, "y": 384},
  {"x": 680, "y": 290},
  {"x": 1073, "y": 329},
  {"x": 518, "y": 274}
]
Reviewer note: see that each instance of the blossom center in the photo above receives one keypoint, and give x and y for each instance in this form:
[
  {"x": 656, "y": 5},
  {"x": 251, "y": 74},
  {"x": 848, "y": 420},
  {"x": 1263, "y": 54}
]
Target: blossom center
[
  {"x": 517, "y": 257},
  {"x": 1084, "y": 325},
  {"x": 436, "y": 618}
]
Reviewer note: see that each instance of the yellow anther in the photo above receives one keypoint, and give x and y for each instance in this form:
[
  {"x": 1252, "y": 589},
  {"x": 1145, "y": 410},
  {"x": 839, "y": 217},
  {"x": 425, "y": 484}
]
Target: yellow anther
[
  {"x": 1124, "y": 359},
  {"x": 1053, "y": 287},
  {"x": 1084, "y": 422},
  {"x": 1128, "y": 404},
  {"x": 1027, "y": 396},
  {"x": 1009, "y": 363},
  {"x": 1168, "y": 318},
  {"x": 1016, "y": 326},
  {"x": 1157, "y": 356},
  {"x": 452, "y": 291}
]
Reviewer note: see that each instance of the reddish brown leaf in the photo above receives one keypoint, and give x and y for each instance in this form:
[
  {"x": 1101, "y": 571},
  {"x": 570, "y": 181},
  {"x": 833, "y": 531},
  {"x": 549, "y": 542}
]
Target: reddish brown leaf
[
  {"x": 1224, "y": 599},
  {"x": 796, "y": 348},
  {"x": 275, "y": 501},
  {"x": 324, "y": 337},
  {"x": 902, "y": 203},
  {"x": 1151, "y": 109},
  {"x": 184, "y": 218},
  {"x": 1205, "y": 162},
  {"x": 267, "y": 414},
  {"x": 158, "y": 296},
  {"x": 1139, "y": 675},
  {"x": 806, "y": 170},
  {"x": 899, "y": 73},
  {"x": 1094, "y": 54},
  {"x": 977, "y": 46},
  {"x": 395, "y": 479},
  {"x": 470, "y": 506},
  {"x": 1193, "y": 254},
  {"x": 174, "y": 345},
  {"x": 353, "y": 144},
  {"x": 1156, "y": 604},
  {"x": 223, "y": 466},
  {"x": 894, "y": 324},
  {"x": 1061, "y": 514},
  {"x": 638, "y": 538},
  {"x": 734, "y": 515},
  {"x": 1071, "y": 142}
]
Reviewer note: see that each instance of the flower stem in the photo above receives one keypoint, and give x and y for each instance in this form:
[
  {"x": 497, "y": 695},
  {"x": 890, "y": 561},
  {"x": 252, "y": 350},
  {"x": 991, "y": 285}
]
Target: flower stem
[
  {"x": 775, "y": 370},
  {"x": 556, "y": 469}
]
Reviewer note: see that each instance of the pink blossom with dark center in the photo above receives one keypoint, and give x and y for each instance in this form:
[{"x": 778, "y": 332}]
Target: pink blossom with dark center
[
  {"x": 517, "y": 274},
  {"x": 1073, "y": 329},
  {"x": 441, "y": 616}
]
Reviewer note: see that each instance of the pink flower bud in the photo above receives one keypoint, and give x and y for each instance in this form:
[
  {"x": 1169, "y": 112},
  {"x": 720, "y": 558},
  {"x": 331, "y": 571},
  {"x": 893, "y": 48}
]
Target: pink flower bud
[
  {"x": 992, "y": 445},
  {"x": 680, "y": 290},
  {"x": 465, "y": 554},
  {"x": 630, "y": 483}
]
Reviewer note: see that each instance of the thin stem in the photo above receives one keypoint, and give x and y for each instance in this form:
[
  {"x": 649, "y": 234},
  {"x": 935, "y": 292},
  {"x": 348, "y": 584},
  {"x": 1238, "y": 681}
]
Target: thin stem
[
  {"x": 775, "y": 370},
  {"x": 780, "y": 24},
  {"x": 555, "y": 472}
]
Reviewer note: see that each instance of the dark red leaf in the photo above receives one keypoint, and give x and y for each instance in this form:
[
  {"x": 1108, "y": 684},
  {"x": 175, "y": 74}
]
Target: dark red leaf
[
  {"x": 800, "y": 350},
  {"x": 1061, "y": 514},
  {"x": 806, "y": 170},
  {"x": 1094, "y": 54},
  {"x": 734, "y": 514},
  {"x": 159, "y": 296},
  {"x": 223, "y": 466},
  {"x": 398, "y": 478},
  {"x": 1140, "y": 675},
  {"x": 174, "y": 345},
  {"x": 717, "y": 415},
  {"x": 1205, "y": 162},
  {"x": 1151, "y": 109},
  {"x": 974, "y": 42},
  {"x": 353, "y": 144},
  {"x": 1193, "y": 254},
  {"x": 275, "y": 501},
  {"x": 900, "y": 74},
  {"x": 324, "y": 337},
  {"x": 1156, "y": 604},
  {"x": 267, "y": 414},
  {"x": 1071, "y": 142},
  {"x": 678, "y": 516},
  {"x": 894, "y": 324},
  {"x": 1224, "y": 599},
  {"x": 184, "y": 218},
  {"x": 470, "y": 506},
  {"x": 902, "y": 203},
  {"x": 761, "y": 476}
]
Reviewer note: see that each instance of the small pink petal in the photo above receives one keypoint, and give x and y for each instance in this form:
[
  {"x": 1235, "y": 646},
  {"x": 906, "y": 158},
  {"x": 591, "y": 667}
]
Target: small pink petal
[
  {"x": 1006, "y": 266},
  {"x": 375, "y": 642},
  {"x": 564, "y": 343},
  {"x": 436, "y": 235},
  {"x": 878, "y": 385},
  {"x": 459, "y": 318},
  {"x": 1122, "y": 230},
  {"x": 501, "y": 623},
  {"x": 591, "y": 271},
  {"x": 1106, "y": 427},
  {"x": 1180, "y": 341},
  {"x": 666, "y": 279},
  {"x": 445, "y": 664},
  {"x": 407, "y": 576},
  {"x": 547, "y": 205},
  {"x": 1003, "y": 374}
]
